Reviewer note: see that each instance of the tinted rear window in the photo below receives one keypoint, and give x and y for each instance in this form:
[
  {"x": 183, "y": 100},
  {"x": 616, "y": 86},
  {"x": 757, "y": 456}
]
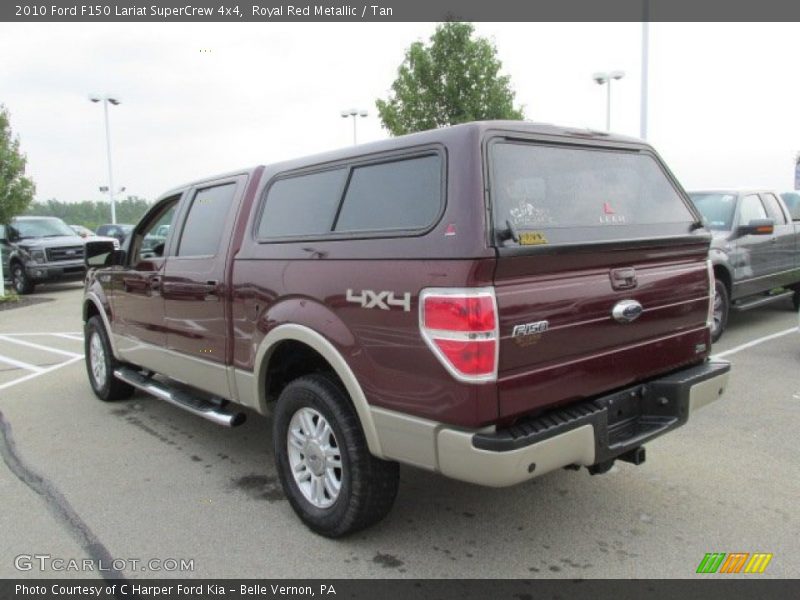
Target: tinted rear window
[
  {"x": 396, "y": 195},
  {"x": 577, "y": 194}
]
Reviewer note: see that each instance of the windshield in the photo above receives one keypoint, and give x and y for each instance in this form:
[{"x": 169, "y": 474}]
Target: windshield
[
  {"x": 36, "y": 228},
  {"x": 563, "y": 194},
  {"x": 717, "y": 209}
]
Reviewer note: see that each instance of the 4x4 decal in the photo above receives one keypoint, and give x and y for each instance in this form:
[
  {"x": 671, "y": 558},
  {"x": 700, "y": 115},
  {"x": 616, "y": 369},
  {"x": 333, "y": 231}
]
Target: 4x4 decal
[{"x": 384, "y": 300}]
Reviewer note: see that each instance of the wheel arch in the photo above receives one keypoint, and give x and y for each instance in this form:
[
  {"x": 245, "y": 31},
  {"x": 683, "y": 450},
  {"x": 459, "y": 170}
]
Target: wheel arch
[
  {"x": 320, "y": 345},
  {"x": 93, "y": 306},
  {"x": 722, "y": 272}
]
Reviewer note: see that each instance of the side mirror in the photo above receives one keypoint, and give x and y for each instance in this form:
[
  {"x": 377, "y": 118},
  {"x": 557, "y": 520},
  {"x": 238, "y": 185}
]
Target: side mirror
[
  {"x": 98, "y": 254},
  {"x": 757, "y": 227},
  {"x": 11, "y": 234}
]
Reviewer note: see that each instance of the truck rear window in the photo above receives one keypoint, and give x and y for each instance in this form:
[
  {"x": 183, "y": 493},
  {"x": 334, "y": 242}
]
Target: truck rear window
[{"x": 569, "y": 195}]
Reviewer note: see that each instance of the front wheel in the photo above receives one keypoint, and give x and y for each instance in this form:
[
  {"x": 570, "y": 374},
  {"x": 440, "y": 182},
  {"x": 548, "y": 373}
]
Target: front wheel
[
  {"x": 22, "y": 283},
  {"x": 721, "y": 308},
  {"x": 330, "y": 478},
  {"x": 100, "y": 363}
]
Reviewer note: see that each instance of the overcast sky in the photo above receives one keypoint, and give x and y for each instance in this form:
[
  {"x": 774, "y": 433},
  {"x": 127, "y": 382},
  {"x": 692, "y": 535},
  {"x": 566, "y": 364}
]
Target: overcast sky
[{"x": 724, "y": 98}]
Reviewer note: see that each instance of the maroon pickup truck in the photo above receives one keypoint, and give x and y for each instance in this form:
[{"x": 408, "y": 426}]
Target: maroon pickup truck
[{"x": 490, "y": 301}]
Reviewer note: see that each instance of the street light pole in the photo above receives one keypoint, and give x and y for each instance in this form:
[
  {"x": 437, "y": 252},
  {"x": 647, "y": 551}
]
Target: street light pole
[
  {"x": 115, "y": 101},
  {"x": 354, "y": 112},
  {"x": 605, "y": 79},
  {"x": 645, "y": 60}
]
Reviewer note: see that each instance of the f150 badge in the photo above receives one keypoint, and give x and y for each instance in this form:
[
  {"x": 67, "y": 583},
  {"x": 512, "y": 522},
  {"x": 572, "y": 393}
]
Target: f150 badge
[
  {"x": 530, "y": 328},
  {"x": 384, "y": 300}
]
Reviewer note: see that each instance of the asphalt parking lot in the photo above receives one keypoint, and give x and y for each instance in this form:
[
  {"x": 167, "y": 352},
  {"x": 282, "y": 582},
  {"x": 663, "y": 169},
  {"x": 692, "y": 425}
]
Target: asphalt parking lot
[{"x": 141, "y": 480}]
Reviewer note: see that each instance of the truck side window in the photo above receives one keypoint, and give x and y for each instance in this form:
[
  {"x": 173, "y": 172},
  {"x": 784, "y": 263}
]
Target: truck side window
[
  {"x": 302, "y": 205},
  {"x": 145, "y": 246},
  {"x": 774, "y": 209},
  {"x": 751, "y": 209},
  {"x": 202, "y": 231},
  {"x": 404, "y": 194}
]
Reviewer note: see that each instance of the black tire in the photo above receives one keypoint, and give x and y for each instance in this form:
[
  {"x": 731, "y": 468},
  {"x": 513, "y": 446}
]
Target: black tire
[
  {"x": 368, "y": 485},
  {"x": 108, "y": 388},
  {"x": 796, "y": 299},
  {"x": 22, "y": 283},
  {"x": 722, "y": 306}
]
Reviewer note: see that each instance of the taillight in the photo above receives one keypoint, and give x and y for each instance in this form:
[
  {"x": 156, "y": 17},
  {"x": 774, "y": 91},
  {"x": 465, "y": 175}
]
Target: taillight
[
  {"x": 460, "y": 327},
  {"x": 711, "y": 294}
]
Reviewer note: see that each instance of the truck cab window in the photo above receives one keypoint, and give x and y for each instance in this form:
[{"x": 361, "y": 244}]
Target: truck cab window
[
  {"x": 150, "y": 242},
  {"x": 202, "y": 231}
]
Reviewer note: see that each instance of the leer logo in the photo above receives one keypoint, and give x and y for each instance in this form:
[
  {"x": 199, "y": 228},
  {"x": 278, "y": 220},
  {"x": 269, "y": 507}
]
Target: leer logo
[{"x": 735, "y": 562}]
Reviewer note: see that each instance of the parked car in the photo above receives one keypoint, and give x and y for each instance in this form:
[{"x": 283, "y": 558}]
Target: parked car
[
  {"x": 754, "y": 252},
  {"x": 40, "y": 249},
  {"x": 120, "y": 231},
  {"x": 82, "y": 231},
  {"x": 491, "y": 301}
]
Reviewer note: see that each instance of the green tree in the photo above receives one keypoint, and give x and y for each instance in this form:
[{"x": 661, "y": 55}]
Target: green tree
[
  {"x": 454, "y": 79},
  {"x": 90, "y": 213},
  {"x": 16, "y": 190}
]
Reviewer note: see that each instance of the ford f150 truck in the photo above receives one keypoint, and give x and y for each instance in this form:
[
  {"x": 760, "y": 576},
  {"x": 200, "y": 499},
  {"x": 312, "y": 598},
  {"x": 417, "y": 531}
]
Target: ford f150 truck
[
  {"x": 41, "y": 249},
  {"x": 755, "y": 251},
  {"x": 490, "y": 301}
]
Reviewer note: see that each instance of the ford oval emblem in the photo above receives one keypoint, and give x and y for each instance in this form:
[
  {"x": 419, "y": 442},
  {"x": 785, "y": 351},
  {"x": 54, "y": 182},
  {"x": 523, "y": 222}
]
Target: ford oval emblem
[{"x": 626, "y": 311}]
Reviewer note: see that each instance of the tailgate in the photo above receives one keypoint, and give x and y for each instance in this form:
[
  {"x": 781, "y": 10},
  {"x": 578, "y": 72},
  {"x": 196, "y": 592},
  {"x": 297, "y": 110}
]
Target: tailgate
[
  {"x": 601, "y": 280},
  {"x": 584, "y": 350}
]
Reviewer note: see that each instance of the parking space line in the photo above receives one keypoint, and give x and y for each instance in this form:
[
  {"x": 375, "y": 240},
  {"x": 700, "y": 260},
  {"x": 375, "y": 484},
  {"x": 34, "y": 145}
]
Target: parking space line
[
  {"x": 7, "y": 338},
  {"x": 40, "y": 373},
  {"x": 70, "y": 335},
  {"x": 78, "y": 337},
  {"x": 755, "y": 342},
  {"x": 20, "y": 365}
]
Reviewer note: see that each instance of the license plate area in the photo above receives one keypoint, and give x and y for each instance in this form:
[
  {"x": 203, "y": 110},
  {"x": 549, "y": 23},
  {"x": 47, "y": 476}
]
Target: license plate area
[{"x": 634, "y": 415}]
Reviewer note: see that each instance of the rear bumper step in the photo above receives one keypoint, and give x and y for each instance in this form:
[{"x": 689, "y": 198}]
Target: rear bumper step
[
  {"x": 214, "y": 411},
  {"x": 589, "y": 433}
]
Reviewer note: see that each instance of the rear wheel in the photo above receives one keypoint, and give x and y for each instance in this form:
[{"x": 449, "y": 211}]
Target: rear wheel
[
  {"x": 22, "y": 283},
  {"x": 721, "y": 308},
  {"x": 100, "y": 363},
  {"x": 330, "y": 478}
]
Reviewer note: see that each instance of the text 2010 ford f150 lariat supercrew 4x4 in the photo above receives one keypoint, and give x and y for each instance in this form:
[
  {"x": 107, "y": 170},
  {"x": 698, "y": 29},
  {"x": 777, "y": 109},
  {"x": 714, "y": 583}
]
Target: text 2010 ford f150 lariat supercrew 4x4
[{"x": 490, "y": 301}]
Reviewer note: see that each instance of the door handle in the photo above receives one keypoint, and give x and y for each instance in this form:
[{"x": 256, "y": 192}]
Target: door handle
[{"x": 211, "y": 287}]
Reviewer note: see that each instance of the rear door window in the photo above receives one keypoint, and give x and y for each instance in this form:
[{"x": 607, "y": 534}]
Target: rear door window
[
  {"x": 571, "y": 195},
  {"x": 202, "y": 231},
  {"x": 774, "y": 209}
]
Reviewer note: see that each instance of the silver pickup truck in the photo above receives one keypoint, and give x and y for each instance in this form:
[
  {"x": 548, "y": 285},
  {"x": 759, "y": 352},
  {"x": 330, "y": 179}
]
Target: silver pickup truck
[{"x": 754, "y": 251}]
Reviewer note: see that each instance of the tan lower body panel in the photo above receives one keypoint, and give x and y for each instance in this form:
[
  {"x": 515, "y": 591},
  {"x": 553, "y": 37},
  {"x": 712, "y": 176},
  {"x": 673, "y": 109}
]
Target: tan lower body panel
[
  {"x": 459, "y": 459},
  {"x": 436, "y": 447}
]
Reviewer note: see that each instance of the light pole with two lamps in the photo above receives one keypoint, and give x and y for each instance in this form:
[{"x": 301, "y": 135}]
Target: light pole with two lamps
[
  {"x": 106, "y": 100},
  {"x": 605, "y": 78},
  {"x": 354, "y": 112}
]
